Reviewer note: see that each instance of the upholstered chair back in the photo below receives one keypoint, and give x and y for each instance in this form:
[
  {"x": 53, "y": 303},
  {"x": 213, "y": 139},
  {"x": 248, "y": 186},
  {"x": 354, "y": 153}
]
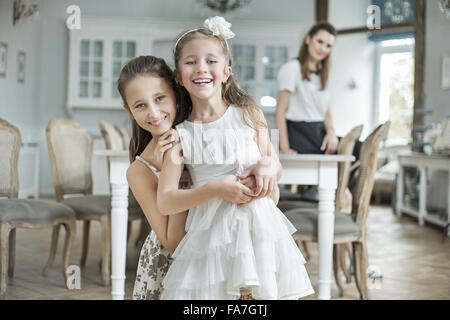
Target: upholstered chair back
[
  {"x": 10, "y": 141},
  {"x": 70, "y": 150},
  {"x": 113, "y": 139},
  {"x": 125, "y": 136}
]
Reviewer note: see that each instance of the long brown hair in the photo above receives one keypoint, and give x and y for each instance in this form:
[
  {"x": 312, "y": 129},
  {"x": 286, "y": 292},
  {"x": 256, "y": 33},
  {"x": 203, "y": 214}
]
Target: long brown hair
[
  {"x": 231, "y": 93},
  {"x": 303, "y": 55},
  {"x": 139, "y": 66}
]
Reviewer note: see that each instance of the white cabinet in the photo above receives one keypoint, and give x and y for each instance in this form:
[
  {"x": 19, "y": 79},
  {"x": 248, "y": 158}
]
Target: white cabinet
[
  {"x": 98, "y": 51},
  {"x": 423, "y": 163}
]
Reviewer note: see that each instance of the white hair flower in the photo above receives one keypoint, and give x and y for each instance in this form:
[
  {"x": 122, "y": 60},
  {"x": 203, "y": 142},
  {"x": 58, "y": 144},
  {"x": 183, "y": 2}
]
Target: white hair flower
[{"x": 219, "y": 27}]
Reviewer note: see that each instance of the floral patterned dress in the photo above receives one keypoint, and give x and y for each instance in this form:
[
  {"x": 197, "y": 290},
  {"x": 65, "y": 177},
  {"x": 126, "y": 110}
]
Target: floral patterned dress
[{"x": 154, "y": 259}]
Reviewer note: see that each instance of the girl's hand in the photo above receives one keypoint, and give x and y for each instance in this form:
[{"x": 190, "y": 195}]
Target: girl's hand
[
  {"x": 230, "y": 189},
  {"x": 249, "y": 182},
  {"x": 330, "y": 143},
  {"x": 164, "y": 142},
  {"x": 265, "y": 172}
]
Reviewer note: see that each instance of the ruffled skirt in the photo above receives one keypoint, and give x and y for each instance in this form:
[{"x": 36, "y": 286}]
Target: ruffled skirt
[{"x": 228, "y": 248}]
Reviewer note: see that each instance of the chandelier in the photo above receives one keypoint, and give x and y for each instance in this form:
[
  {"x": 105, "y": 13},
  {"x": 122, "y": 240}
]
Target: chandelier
[
  {"x": 444, "y": 5},
  {"x": 224, "y": 6}
]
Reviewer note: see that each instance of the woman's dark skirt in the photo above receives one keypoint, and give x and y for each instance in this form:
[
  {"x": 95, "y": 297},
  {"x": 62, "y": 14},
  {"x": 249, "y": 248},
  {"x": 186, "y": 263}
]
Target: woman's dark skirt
[{"x": 307, "y": 137}]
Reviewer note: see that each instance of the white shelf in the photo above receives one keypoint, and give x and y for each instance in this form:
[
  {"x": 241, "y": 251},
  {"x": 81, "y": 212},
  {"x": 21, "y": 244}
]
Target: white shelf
[{"x": 423, "y": 163}]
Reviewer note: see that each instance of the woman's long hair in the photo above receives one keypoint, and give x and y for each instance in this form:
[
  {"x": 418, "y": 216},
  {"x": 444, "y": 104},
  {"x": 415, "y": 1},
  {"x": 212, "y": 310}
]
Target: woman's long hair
[
  {"x": 231, "y": 93},
  {"x": 303, "y": 55},
  {"x": 139, "y": 66}
]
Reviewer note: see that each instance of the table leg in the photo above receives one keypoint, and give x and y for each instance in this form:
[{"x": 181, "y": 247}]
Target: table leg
[
  {"x": 119, "y": 220},
  {"x": 422, "y": 195},
  {"x": 399, "y": 204},
  {"x": 327, "y": 187}
]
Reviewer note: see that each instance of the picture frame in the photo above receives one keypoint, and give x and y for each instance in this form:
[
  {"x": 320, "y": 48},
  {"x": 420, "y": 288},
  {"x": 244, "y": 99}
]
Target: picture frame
[
  {"x": 445, "y": 81},
  {"x": 3, "y": 59},
  {"x": 21, "y": 63}
]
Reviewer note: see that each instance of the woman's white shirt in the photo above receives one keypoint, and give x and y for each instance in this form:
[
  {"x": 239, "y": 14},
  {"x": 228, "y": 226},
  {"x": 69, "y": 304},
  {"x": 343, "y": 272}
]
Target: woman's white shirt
[{"x": 308, "y": 102}]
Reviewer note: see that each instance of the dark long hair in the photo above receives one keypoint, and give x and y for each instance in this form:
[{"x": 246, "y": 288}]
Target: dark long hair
[
  {"x": 232, "y": 94},
  {"x": 303, "y": 55},
  {"x": 153, "y": 66}
]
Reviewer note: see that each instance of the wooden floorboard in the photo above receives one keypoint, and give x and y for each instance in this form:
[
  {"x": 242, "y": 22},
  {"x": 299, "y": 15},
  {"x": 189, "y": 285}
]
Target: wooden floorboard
[{"x": 413, "y": 260}]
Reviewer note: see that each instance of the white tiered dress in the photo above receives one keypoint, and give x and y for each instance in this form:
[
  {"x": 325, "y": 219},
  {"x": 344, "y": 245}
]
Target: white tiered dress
[{"x": 226, "y": 248}]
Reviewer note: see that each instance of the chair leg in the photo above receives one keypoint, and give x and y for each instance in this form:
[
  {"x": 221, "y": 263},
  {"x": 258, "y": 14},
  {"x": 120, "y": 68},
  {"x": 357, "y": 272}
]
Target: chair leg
[
  {"x": 70, "y": 227},
  {"x": 343, "y": 261},
  {"x": 305, "y": 248},
  {"x": 12, "y": 252},
  {"x": 85, "y": 242},
  {"x": 301, "y": 246},
  {"x": 4, "y": 252},
  {"x": 129, "y": 226},
  {"x": 336, "y": 255},
  {"x": 53, "y": 249},
  {"x": 360, "y": 263},
  {"x": 105, "y": 222}
]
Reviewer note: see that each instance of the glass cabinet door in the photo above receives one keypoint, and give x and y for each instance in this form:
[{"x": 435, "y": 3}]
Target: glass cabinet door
[
  {"x": 90, "y": 69},
  {"x": 123, "y": 51}
]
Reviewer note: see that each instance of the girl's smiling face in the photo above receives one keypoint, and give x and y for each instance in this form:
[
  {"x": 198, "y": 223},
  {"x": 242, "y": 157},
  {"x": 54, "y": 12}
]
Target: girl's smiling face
[
  {"x": 202, "y": 68},
  {"x": 152, "y": 103}
]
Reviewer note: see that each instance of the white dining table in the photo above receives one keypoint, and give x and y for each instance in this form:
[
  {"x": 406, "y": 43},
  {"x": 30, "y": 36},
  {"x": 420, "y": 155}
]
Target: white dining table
[
  {"x": 306, "y": 169},
  {"x": 322, "y": 171}
]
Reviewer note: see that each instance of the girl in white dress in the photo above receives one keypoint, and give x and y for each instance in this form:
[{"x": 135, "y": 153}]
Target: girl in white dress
[{"x": 229, "y": 249}]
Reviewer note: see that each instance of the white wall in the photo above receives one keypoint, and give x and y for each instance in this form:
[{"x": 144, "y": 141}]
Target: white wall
[
  {"x": 19, "y": 102},
  {"x": 43, "y": 96},
  {"x": 352, "y": 60},
  {"x": 344, "y": 14},
  {"x": 437, "y": 44}
]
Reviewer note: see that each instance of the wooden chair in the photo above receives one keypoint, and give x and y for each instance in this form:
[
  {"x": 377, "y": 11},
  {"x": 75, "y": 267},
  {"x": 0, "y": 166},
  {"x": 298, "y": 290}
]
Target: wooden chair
[
  {"x": 24, "y": 213},
  {"x": 125, "y": 136},
  {"x": 290, "y": 200},
  {"x": 348, "y": 227},
  {"x": 70, "y": 148},
  {"x": 116, "y": 138}
]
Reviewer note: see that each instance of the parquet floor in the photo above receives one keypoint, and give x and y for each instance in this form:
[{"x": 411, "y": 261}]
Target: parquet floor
[{"x": 413, "y": 260}]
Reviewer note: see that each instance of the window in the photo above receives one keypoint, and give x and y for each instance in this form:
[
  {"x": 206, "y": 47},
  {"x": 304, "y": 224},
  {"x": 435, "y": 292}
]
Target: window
[{"x": 396, "y": 88}]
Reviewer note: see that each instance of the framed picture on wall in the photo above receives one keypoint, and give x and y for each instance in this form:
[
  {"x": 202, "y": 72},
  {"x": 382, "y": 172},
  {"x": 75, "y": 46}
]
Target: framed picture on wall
[
  {"x": 21, "y": 67},
  {"x": 446, "y": 72},
  {"x": 3, "y": 56}
]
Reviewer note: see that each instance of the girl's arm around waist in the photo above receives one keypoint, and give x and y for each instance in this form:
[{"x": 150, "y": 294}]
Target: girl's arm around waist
[{"x": 171, "y": 199}]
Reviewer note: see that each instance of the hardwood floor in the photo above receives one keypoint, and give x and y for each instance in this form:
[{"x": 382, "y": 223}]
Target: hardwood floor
[{"x": 413, "y": 260}]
